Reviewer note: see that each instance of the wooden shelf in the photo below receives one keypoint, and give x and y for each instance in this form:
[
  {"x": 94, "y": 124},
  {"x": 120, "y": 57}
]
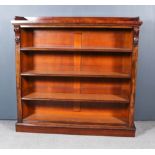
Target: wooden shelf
[
  {"x": 70, "y": 49},
  {"x": 108, "y": 98},
  {"x": 84, "y": 117},
  {"x": 76, "y": 74}
]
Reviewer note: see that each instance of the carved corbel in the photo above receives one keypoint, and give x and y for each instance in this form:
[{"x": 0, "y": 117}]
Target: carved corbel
[
  {"x": 17, "y": 34},
  {"x": 136, "y": 36}
]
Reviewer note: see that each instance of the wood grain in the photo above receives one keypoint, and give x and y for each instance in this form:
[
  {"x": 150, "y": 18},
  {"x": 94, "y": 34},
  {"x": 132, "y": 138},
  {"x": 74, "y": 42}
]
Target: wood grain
[
  {"x": 63, "y": 73},
  {"x": 18, "y": 77},
  {"x": 76, "y": 97},
  {"x": 71, "y": 49}
]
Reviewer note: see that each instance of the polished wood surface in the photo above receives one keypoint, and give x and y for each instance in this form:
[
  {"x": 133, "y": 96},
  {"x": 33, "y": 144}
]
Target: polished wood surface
[
  {"x": 65, "y": 49},
  {"x": 76, "y": 97},
  {"x": 76, "y": 75},
  {"x": 62, "y": 73},
  {"x": 61, "y": 129},
  {"x": 87, "y": 22},
  {"x": 62, "y": 112},
  {"x": 104, "y": 64},
  {"x": 56, "y": 116}
]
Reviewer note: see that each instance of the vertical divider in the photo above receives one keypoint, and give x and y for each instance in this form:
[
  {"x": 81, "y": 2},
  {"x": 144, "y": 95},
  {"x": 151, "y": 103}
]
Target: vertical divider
[{"x": 77, "y": 67}]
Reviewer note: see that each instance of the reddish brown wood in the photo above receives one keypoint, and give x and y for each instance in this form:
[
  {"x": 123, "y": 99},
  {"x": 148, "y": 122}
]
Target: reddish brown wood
[
  {"x": 77, "y": 21},
  {"x": 110, "y": 65},
  {"x": 34, "y": 128},
  {"x": 76, "y": 75},
  {"x": 76, "y": 49},
  {"x": 133, "y": 74},
  {"x": 76, "y": 97},
  {"x": 18, "y": 69}
]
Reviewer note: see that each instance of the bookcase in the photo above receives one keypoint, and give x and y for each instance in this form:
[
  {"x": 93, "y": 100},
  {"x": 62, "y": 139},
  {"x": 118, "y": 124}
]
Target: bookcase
[{"x": 76, "y": 75}]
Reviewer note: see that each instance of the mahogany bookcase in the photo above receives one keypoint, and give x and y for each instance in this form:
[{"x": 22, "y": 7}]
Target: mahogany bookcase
[{"x": 76, "y": 75}]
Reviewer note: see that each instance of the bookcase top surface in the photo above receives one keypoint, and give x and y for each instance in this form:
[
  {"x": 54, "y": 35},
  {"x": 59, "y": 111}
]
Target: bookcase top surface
[{"x": 67, "y": 21}]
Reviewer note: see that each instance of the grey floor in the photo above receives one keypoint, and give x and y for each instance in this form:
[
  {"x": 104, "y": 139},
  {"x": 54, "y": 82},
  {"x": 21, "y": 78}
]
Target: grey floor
[{"x": 145, "y": 138}]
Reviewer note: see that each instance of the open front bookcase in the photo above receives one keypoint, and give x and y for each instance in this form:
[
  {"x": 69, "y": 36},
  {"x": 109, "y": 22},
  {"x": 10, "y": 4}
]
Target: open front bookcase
[{"x": 76, "y": 75}]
